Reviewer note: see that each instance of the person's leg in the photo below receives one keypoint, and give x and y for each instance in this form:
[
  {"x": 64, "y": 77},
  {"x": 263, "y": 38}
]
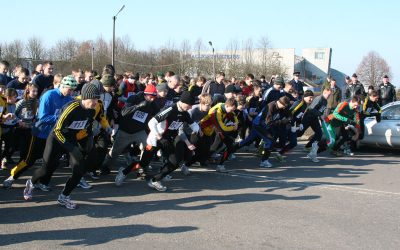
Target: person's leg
[
  {"x": 121, "y": 142},
  {"x": 51, "y": 155}
]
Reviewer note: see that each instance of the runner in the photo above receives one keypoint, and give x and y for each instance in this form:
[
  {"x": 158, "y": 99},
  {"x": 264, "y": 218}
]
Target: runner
[{"x": 72, "y": 134}]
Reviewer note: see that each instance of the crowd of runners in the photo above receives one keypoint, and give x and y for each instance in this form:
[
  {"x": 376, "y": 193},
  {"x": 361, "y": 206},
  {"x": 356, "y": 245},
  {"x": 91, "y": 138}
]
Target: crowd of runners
[{"x": 89, "y": 119}]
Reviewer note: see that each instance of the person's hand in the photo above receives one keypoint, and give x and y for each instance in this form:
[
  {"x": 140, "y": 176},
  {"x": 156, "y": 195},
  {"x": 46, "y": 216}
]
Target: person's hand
[
  {"x": 301, "y": 127},
  {"x": 191, "y": 147},
  {"x": 351, "y": 122},
  {"x": 22, "y": 124},
  {"x": 9, "y": 116}
]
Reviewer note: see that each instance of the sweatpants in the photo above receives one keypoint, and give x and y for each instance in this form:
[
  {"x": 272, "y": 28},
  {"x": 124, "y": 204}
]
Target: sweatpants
[
  {"x": 52, "y": 153},
  {"x": 121, "y": 142},
  {"x": 34, "y": 152},
  {"x": 24, "y": 139}
]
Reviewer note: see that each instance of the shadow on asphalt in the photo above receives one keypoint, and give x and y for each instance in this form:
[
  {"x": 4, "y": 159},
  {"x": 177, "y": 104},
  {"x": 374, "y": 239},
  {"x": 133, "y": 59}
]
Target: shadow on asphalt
[{"x": 91, "y": 236}]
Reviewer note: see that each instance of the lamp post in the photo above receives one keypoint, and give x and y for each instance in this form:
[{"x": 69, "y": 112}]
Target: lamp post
[
  {"x": 113, "y": 40},
  {"x": 92, "y": 57},
  {"x": 213, "y": 51}
]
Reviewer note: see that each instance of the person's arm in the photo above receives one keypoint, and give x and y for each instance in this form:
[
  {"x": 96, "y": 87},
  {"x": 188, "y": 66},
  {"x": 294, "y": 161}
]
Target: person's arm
[
  {"x": 65, "y": 120},
  {"x": 219, "y": 115},
  {"x": 337, "y": 111},
  {"x": 46, "y": 114}
]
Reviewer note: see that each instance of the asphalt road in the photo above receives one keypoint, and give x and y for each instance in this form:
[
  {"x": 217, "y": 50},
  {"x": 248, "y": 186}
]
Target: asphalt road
[{"x": 339, "y": 203}]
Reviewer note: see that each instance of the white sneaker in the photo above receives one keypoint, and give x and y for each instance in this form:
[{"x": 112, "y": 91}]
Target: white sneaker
[
  {"x": 221, "y": 169},
  {"x": 28, "y": 190},
  {"x": 157, "y": 185},
  {"x": 66, "y": 202},
  {"x": 8, "y": 182},
  {"x": 312, "y": 157},
  {"x": 119, "y": 179},
  {"x": 265, "y": 164},
  {"x": 185, "y": 170},
  {"x": 4, "y": 163}
]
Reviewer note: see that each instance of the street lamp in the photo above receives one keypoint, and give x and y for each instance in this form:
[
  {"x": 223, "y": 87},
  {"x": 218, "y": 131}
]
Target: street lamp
[
  {"x": 113, "y": 40},
  {"x": 213, "y": 51},
  {"x": 92, "y": 57}
]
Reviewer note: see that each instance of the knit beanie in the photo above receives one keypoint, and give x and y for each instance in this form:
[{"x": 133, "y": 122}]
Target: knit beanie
[
  {"x": 308, "y": 93},
  {"x": 187, "y": 98},
  {"x": 162, "y": 87},
  {"x": 107, "y": 80},
  {"x": 69, "y": 82},
  {"x": 150, "y": 90},
  {"x": 90, "y": 91}
]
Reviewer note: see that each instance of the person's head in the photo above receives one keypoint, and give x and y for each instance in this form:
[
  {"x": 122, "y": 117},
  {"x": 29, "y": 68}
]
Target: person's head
[
  {"x": 326, "y": 92},
  {"x": 288, "y": 88},
  {"x": 220, "y": 77},
  {"x": 333, "y": 82},
  {"x": 150, "y": 92},
  {"x": 23, "y": 75},
  {"x": 108, "y": 82},
  {"x": 144, "y": 78},
  {"x": 90, "y": 95},
  {"x": 11, "y": 95},
  {"x": 283, "y": 102},
  {"x": 4, "y": 66},
  {"x": 257, "y": 90},
  {"x": 173, "y": 81},
  {"x": 31, "y": 91},
  {"x": 230, "y": 105},
  {"x": 241, "y": 102},
  {"x": 108, "y": 69},
  {"x": 374, "y": 96},
  {"x": 168, "y": 74},
  {"x": 89, "y": 75},
  {"x": 39, "y": 68},
  {"x": 162, "y": 89},
  {"x": 296, "y": 75},
  {"x": 354, "y": 78},
  {"x": 205, "y": 102},
  {"x": 249, "y": 79},
  {"x": 57, "y": 80},
  {"x": 308, "y": 96},
  {"x": 160, "y": 76},
  {"x": 348, "y": 80},
  {"x": 354, "y": 102},
  {"x": 201, "y": 81},
  {"x": 67, "y": 86},
  {"x": 370, "y": 89},
  {"x": 79, "y": 76},
  {"x": 233, "y": 80},
  {"x": 262, "y": 78},
  {"x": 230, "y": 91},
  {"x": 186, "y": 101},
  {"x": 385, "y": 79},
  {"x": 48, "y": 68},
  {"x": 278, "y": 83}
]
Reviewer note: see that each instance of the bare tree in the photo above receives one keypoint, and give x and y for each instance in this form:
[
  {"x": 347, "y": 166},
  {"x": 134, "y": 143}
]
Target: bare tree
[
  {"x": 372, "y": 68},
  {"x": 35, "y": 49}
]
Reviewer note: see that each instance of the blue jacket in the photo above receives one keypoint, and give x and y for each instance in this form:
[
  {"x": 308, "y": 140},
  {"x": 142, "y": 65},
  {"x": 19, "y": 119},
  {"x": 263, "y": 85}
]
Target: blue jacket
[{"x": 49, "y": 109}]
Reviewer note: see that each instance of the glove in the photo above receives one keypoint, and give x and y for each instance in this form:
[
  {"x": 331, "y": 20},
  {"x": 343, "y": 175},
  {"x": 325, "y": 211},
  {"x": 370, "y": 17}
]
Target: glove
[
  {"x": 301, "y": 127},
  {"x": 76, "y": 154}
]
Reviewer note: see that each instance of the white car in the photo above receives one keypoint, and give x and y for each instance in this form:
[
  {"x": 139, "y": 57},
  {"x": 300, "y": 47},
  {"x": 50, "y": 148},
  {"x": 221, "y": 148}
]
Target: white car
[{"x": 385, "y": 134}]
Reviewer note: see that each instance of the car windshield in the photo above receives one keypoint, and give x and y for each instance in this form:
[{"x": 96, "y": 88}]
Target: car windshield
[{"x": 391, "y": 113}]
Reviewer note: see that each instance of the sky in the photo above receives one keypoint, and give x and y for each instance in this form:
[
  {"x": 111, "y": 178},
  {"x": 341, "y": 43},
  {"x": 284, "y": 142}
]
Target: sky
[{"x": 351, "y": 28}]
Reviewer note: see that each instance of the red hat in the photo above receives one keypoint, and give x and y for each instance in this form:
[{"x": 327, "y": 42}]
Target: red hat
[{"x": 150, "y": 90}]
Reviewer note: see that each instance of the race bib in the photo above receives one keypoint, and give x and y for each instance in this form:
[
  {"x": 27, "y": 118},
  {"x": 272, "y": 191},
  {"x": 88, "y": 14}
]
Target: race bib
[
  {"x": 140, "y": 116},
  {"x": 322, "y": 109},
  {"x": 78, "y": 125},
  {"x": 130, "y": 93},
  {"x": 175, "y": 125},
  {"x": 26, "y": 114},
  {"x": 253, "y": 110}
]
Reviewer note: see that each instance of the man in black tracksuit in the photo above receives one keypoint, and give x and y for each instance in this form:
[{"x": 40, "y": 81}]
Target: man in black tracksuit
[{"x": 72, "y": 134}]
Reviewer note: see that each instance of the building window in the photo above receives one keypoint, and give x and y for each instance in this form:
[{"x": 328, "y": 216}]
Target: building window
[{"x": 319, "y": 55}]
